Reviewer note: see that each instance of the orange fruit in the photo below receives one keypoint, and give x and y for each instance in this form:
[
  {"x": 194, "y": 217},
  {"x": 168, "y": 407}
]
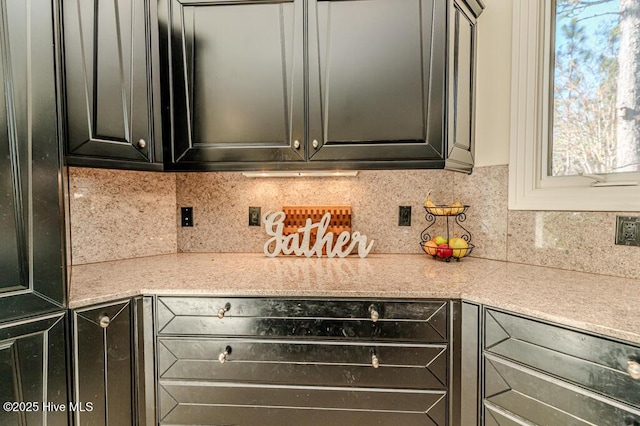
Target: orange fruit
[{"x": 430, "y": 247}]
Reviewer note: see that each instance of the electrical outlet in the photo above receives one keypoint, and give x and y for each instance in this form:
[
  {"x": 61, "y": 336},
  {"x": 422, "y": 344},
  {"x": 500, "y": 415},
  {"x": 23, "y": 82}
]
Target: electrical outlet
[
  {"x": 186, "y": 214},
  {"x": 404, "y": 216},
  {"x": 254, "y": 216},
  {"x": 628, "y": 230}
]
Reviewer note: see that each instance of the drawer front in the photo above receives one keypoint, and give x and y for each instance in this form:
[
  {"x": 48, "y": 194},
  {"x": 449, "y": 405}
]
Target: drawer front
[
  {"x": 524, "y": 396},
  {"x": 230, "y": 404},
  {"x": 304, "y": 363},
  {"x": 596, "y": 363},
  {"x": 310, "y": 318}
]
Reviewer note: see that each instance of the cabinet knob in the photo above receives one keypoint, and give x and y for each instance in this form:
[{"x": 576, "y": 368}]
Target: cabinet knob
[
  {"x": 223, "y": 356},
  {"x": 633, "y": 368},
  {"x": 296, "y": 144},
  {"x": 142, "y": 143},
  {"x": 375, "y": 362},
  {"x": 105, "y": 321},
  {"x": 374, "y": 313},
  {"x": 224, "y": 310},
  {"x": 315, "y": 143}
]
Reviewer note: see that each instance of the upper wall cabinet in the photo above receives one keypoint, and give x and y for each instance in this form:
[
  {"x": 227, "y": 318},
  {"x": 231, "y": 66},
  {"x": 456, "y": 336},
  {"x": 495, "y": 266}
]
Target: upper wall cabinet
[
  {"x": 462, "y": 84},
  {"x": 235, "y": 81},
  {"x": 376, "y": 80},
  {"x": 112, "y": 112},
  {"x": 316, "y": 84},
  {"x": 32, "y": 279}
]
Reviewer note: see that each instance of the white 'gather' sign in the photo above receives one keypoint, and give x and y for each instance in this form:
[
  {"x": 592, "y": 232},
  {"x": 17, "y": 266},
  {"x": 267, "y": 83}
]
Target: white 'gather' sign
[{"x": 292, "y": 244}]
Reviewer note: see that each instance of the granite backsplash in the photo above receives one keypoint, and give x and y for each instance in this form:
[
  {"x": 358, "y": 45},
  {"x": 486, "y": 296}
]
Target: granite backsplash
[{"x": 124, "y": 214}]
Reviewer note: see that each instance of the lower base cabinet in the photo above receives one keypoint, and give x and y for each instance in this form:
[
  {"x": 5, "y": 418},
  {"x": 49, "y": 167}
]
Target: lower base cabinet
[
  {"x": 111, "y": 380},
  {"x": 33, "y": 373},
  {"x": 536, "y": 373},
  {"x": 302, "y": 362}
]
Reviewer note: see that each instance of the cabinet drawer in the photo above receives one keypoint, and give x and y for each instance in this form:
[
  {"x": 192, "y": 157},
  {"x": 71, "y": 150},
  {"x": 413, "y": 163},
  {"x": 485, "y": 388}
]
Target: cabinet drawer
[
  {"x": 307, "y": 318},
  {"x": 593, "y": 362},
  {"x": 535, "y": 398},
  {"x": 227, "y": 404},
  {"x": 291, "y": 362}
]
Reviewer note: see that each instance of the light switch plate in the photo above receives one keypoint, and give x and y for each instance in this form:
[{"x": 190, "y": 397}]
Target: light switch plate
[
  {"x": 404, "y": 216},
  {"x": 628, "y": 230},
  {"x": 254, "y": 216}
]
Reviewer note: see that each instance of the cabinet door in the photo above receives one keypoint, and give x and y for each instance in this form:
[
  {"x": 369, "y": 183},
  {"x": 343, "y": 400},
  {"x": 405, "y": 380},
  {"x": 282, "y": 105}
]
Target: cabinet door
[
  {"x": 462, "y": 74},
  {"x": 33, "y": 371},
  {"x": 31, "y": 221},
  {"x": 103, "y": 364},
  {"x": 376, "y": 80},
  {"x": 236, "y": 80},
  {"x": 109, "y": 81}
]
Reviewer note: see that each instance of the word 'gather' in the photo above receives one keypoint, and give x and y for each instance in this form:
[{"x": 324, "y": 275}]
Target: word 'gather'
[{"x": 299, "y": 243}]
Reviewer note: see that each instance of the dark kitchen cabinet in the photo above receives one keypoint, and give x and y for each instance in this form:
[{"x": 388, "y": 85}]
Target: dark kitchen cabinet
[
  {"x": 112, "y": 361},
  {"x": 250, "y": 361},
  {"x": 33, "y": 374},
  {"x": 462, "y": 84},
  {"x": 32, "y": 279},
  {"x": 111, "y": 81},
  {"x": 311, "y": 84},
  {"x": 543, "y": 374},
  {"x": 235, "y": 83}
]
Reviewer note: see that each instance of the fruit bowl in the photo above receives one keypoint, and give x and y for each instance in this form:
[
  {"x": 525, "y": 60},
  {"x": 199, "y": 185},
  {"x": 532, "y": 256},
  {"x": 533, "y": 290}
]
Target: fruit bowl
[
  {"x": 456, "y": 248},
  {"x": 446, "y": 210}
]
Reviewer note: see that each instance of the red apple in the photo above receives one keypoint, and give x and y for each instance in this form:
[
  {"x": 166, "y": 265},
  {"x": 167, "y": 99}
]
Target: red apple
[{"x": 444, "y": 251}]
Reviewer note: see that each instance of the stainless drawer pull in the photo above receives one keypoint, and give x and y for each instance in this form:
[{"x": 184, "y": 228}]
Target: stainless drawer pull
[
  {"x": 375, "y": 362},
  {"x": 374, "y": 313},
  {"x": 105, "y": 321},
  {"x": 633, "y": 368},
  {"x": 224, "y": 310},
  {"x": 223, "y": 356}
]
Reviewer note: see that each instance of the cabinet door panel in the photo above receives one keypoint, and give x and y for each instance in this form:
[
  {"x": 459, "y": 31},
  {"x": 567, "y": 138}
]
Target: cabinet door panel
[
  {"x": 103, "y": 364},
  {"x": 312, "y": 319},
  {"x": 461, "y": 121},
  {"x": 593, "y": 362},
  {"x": 223, "y": 404},
  {"x": 31, "y": 256},
  {"x": 290, "y": 362},
  {"x": 108, "y": 79},
  {"x": 542, "y": 400},
  {"x": 237, "y": 80},
  {"x": 376, "y": 79},
  {"x": 33, "y": 369}
]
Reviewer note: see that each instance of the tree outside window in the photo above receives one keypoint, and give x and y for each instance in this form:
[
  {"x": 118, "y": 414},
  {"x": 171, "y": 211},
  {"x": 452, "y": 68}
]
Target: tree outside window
[{"x": 596, "y": 90}]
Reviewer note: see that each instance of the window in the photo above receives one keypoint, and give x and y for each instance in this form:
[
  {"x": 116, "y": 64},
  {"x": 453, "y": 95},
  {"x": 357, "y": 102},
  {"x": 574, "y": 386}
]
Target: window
[{"x": 575, "y": 105}]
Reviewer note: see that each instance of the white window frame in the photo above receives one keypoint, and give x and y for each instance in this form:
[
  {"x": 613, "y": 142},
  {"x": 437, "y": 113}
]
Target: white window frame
[{"x": 529, "y": 187}]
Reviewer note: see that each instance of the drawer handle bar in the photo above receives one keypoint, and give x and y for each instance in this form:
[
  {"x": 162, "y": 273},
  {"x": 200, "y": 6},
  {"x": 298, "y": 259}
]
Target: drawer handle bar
[
  {"x": 105, "y": 321},
  {"x": 223, "y": 356},
  {"x": 633, "y": 368},
  {"x": 374, "y": 313},
  {"x": 224, "y": 310}
]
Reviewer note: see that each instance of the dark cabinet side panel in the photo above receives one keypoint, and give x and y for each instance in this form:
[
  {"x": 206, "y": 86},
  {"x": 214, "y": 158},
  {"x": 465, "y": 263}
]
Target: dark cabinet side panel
[
  {"x": 31, "y": 253},
  {"x": 33, "y": 370},
  {"x": 462, "y": 74},
  {"x": 109, "y": 80}
]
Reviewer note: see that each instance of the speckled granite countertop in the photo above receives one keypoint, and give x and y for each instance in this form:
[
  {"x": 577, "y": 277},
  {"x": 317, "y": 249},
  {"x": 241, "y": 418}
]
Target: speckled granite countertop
[{"x": 597, "y": 303}]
